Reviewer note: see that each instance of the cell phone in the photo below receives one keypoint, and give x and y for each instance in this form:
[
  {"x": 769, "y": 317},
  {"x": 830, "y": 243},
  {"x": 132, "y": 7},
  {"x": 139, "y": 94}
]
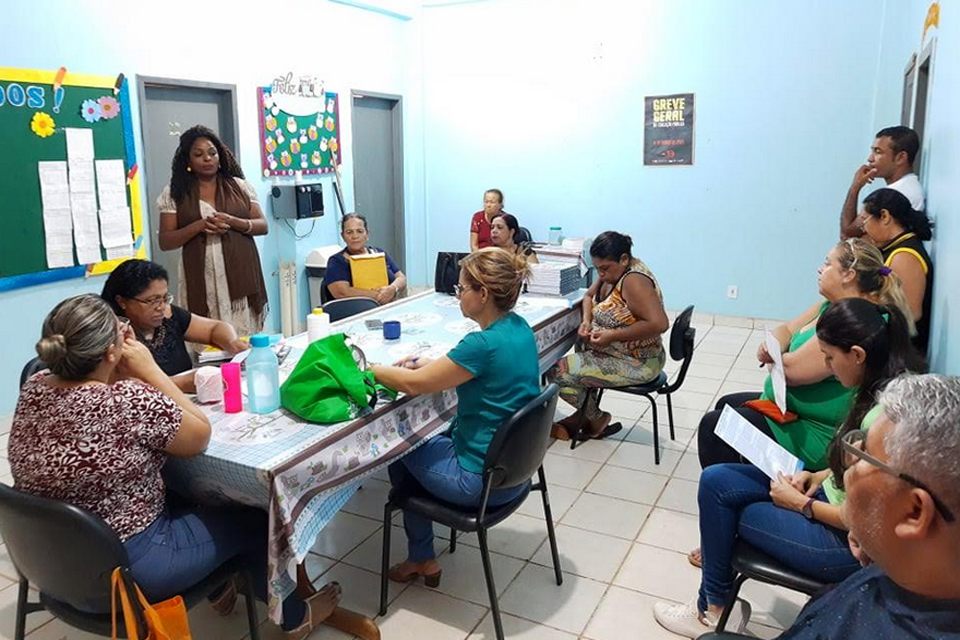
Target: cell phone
[{"x": 374, "y": 325}]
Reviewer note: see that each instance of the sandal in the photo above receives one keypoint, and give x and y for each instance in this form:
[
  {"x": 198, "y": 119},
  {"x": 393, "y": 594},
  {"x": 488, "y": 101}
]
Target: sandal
[
  {"x": 226, "y": 601},
  {"x": 559, "y": 432},
  {"x": 331, "y": 590},
  {"x": 695, "y": 558},
  {"x": 414, "y": 571},
  {"x": 604, "y": 431}
]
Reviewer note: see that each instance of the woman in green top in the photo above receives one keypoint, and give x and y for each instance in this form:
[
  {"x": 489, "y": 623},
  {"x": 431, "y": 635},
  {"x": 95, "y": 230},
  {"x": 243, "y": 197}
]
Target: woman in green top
[
  {"x": 796, "y": 519},
  {"x": 496, "y": 372},
  {"x": 853, "y": 269}
]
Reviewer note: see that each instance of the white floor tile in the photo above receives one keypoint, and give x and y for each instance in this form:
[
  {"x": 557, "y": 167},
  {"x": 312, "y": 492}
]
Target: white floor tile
[
  {"x": 585, "y": 553},
  {"x": 609, "y": 516},
  {"x": 701, "y": 385},
  {"x": 738, "y": 387},
  {"x": 518, "y": 536},
  {"x": 626, "y": 614},
  {"x": 689, "y": 467},
  {"x": 518, "y": 629},
  {"x": 640, "y": 458},
  {"x": 8, "y": 610},
  {"x": 772, "y": 606},
  {"x": 361, "y": 589},
  {"x": 423, "y": 613},
  {"x": 750, "y": 379},
  {"x": 565, "y": 471},
  {"x": 619, "y": 405},
  {"x": 683, "y": 417},
  {"x": 592, "y": 450},
  {"x": 344, "y": 533},
  {"x": 680, "y": 495},
  {"x": 561, "y": 499},
  {"x": 671, "y": 530},
  {"x": 536, "y": 596},
  {"x": 463, "y": 574},
  {"x": 723, "y": 347},
  {"x": 660, "y": 573},
  {"x": 626, "y": 484},
  {"x": 713, "y": 359},
  {"x": 5, "y": 423},
  {"x": 368, "y": 554},
  {"x": 316, "y": 566},
  {"x": 684, "y": 399},
  {"x": 707, "y": 371},
  {"x": 57, "y": 630},
  {"x": 369, "y": 499},
  {"x": 642, "y": 434}
]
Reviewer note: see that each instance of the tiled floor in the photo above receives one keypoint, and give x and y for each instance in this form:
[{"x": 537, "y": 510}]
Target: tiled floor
[{"x": 624, "y": 526}]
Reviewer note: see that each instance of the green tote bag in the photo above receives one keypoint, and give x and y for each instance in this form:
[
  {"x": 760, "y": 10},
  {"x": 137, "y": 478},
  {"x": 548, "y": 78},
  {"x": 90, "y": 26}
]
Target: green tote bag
[{"x": 327, "y": 386}]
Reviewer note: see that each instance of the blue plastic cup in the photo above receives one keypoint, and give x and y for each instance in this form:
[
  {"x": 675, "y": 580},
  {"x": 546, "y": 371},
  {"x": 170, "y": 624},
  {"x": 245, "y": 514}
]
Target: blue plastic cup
[{"x": 391, "y": 330}]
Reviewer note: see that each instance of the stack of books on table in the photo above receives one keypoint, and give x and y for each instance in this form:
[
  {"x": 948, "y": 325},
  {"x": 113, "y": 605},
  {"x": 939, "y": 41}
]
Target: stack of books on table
[{"x": 553, "y": 278}]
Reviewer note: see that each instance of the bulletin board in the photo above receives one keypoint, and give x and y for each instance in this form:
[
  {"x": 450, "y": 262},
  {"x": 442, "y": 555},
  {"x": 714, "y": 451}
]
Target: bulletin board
[
  {"x": 298, "y": 133},
  {"x": 36, "y": 107}
]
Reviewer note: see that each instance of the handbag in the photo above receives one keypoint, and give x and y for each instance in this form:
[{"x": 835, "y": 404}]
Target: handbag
[
  {"x": 448, "y": 271},
  {"x": 165, "y": 620},
  {"x": 327, "y": 386}
]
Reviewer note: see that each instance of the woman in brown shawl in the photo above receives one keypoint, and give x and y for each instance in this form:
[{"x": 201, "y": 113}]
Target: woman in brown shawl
[{"x": 212, "y": 212}]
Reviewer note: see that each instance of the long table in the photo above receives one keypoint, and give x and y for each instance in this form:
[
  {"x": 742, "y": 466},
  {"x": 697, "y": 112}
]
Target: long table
[{"x": 303, "y": 473}]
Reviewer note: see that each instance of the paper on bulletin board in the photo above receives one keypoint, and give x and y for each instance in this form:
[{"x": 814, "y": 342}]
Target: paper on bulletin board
[
  {"x": 57, "y": 221},
  {"x": 116, "y": 233}
]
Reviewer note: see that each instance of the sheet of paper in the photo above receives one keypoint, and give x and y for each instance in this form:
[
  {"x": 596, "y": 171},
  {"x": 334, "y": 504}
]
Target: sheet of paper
[
  {"x": 115, "y": 228},
  {"x": 115, "y": 253},
  {"x": 57, "y": 218},
  {"x": 83, "y": 198},
  {"x": 79, "y": 143},
  {"x": 777, "y": 375},
  {"x": 754, "y": 445},
  {"x": 111, "y": 184},
  {"x": 54, "y": 185}
]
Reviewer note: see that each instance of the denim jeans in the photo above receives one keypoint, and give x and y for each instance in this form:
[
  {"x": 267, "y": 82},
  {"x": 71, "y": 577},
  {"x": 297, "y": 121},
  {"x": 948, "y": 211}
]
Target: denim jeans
[
  {"x": 183, "y": 546},
  {"x": 433, "y": 467},
  {"x": 735, "y": 501}
]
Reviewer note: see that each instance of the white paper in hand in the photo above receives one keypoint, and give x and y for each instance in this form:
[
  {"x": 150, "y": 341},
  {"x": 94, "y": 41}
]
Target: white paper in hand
[
  {"x": 754, "y": 445},
  {"x": 777, "y": 375}
]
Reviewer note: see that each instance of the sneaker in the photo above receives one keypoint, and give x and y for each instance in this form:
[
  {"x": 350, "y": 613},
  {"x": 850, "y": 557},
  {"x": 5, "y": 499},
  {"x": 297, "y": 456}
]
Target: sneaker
[{"x": 683, "y": 619}]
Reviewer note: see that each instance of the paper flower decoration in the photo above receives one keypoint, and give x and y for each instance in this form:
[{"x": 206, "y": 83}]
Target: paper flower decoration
[
  {"x": 334, "y": 145},
  {"x": 270, "y": 144},
  {"x": 294, "y": 146},
  {"x": 270, "y": 123},
  {"x": 109, "y": 107},
  {"x": 42, "y": 124},
  {"x": 312, "y": 132},
  {"x": 91, "y": 111},
  {"x": 315, "y": 158},
  {"x": 267, "y": 100},
  {"x": 328, "y": 123}
]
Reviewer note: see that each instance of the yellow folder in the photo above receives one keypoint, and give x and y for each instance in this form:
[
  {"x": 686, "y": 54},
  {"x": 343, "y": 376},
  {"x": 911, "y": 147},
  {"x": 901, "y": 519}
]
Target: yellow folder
[{"x": 368, "y": 270}]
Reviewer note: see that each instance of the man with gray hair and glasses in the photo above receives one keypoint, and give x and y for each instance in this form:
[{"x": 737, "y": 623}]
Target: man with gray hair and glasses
[{"x": 902, "y": 479}]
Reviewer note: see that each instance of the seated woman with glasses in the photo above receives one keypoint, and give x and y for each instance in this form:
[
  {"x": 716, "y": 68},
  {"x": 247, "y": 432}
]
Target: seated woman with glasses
[
  {"x": 138, "y": 290},
  {"x": 339, "y": 279},
  {"x": 796, "y": 519},
  {"x": 495, "y": 371}
]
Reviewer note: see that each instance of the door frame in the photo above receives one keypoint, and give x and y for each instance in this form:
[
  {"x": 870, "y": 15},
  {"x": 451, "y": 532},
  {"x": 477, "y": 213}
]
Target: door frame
[
  {"x": 144, "y": 82},
  {"x": 396, "y": 113}
]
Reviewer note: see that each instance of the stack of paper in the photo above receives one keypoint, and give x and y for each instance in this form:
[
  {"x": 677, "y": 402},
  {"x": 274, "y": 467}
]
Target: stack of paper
[
  {"x": 57, "y": 221},
  {"x": 553, "y": 278},
  {"x": 83, "y": 197},
  {"x": 115, "y": 230}
]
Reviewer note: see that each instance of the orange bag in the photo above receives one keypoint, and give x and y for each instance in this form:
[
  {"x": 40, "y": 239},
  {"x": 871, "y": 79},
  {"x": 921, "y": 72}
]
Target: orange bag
[
  {"x": 770, "y": 409},
  {"x": 165, "y": 620}
]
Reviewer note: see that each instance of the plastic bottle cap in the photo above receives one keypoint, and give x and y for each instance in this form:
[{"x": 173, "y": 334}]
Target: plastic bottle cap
[
  {"x": 260, "y": 340},
  {"x": 318, "y": 311}
]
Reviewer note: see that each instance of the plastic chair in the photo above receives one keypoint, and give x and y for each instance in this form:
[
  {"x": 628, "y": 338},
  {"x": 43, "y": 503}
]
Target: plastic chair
[
  {"x": 32, "y": 367},
  {"x": 346, "y": 307},
  {"x": 748, "y": 562},
  {"x": 69, "y": 554},
  {"x": 681, "y": 348},
  {"x": 515, "y": 454}
]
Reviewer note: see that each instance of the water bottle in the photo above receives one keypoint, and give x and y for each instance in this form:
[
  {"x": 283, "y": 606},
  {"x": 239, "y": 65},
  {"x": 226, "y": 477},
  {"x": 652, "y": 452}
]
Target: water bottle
[
  {"x": 318, "y": 325},
  {"x": 263, "y": 376},
  {"x": 556, "y": 235}
]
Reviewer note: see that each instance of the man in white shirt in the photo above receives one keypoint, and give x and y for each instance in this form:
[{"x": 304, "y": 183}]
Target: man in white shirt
[{"x": 891, "y": 158}]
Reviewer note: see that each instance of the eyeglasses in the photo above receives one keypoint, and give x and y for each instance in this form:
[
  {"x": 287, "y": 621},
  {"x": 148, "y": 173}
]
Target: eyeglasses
[
  {"x": 156, "y": 301},
  {"x": 853, "y": 451},
  {"x": 459, "y": 288}
]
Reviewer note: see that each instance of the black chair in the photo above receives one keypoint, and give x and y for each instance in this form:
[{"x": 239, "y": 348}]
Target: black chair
[
  {"x": 32, "y": 367},
  {"x": 750, "y": 563},
  {"x": 681, "y": 348},
  {"x": 523, "y": 235},
  {"x": 346, "y": 307},
  {"x": 69, "y": 554},
  {"x": 515, "y": 454}
]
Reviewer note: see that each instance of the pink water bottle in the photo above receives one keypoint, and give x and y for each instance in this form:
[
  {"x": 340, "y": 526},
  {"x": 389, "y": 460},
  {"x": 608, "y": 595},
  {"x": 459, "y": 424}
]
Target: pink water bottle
[{"x": 232, "y": 394}]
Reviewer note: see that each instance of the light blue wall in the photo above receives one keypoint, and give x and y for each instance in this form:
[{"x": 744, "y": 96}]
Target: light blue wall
[
  {"x": 244, "y": 44},
  {"x": 544, "y": 99}
]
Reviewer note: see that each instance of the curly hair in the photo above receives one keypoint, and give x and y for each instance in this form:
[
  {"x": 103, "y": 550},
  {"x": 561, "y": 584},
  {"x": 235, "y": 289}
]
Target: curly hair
[
  {"x": 130, "y": 279},
  {"x": 181, "y": 180}
]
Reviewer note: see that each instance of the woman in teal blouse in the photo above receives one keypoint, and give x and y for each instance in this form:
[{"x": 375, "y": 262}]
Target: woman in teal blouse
[{"x": 495, "y": 371}]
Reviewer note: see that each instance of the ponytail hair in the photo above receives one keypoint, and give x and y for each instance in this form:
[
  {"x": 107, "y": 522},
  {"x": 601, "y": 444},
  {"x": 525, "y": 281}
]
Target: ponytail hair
[
  {"x": 76, "y": 336},
  {"x": 882, "y": 332},
  {"x": 900, "y": 209},
  {"x": 874, "y": 278},
  {"x": 502, "y": 273}
]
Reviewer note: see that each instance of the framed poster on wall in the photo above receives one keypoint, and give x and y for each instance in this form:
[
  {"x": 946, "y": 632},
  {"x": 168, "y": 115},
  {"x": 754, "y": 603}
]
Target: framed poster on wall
[{"x": 668, "y": 129}]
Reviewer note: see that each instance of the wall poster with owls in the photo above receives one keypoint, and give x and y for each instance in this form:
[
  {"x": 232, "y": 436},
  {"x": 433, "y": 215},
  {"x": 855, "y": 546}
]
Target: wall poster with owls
[{"x": 299, "y": 126}]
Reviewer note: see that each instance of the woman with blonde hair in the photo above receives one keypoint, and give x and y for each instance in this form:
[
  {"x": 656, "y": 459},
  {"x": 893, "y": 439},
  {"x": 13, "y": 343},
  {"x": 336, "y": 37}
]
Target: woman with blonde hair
[{"x": 495, "y": 371}]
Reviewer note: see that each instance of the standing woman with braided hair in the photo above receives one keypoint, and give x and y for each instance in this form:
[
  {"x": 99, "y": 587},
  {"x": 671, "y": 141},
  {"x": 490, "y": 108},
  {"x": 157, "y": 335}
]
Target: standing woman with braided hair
[{"x": 210, "y": 211}]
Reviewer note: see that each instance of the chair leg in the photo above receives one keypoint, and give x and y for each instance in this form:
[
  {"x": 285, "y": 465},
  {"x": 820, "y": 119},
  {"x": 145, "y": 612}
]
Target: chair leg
[
  {"x": 453, "y": 539},
  {"x": 21, "y": 626},
  {"x": 656, "y": 429},
  {"x": 491, "y": 587},
  {"x": 548, "y": 514},
  {"x": 252, "y": 621},
  {"x": 385, "y": 560},
  {"x": 673, "y": 435},
  {"x": 574, "y": 439},
  {"x": 731, "y": 600}
]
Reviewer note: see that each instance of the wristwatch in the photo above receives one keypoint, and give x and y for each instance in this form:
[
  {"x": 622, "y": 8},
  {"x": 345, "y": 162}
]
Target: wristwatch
[{"x": 807, "y": 509}]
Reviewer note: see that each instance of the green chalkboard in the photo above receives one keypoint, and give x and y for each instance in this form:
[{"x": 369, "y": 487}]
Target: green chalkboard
[{"x": 22, "y": 249}]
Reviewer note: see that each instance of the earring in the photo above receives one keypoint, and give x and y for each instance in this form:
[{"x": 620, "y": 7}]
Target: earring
[{"x": 189, "y": 169}]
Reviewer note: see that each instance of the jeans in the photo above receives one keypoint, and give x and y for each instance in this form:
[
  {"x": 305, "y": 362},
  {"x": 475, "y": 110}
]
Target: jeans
[
  {"x": 735, "y": 502},
  {"x": 184, "y": 546},
  {"x": 712, "y": 449},
  {"x": 433, "y": 467}
]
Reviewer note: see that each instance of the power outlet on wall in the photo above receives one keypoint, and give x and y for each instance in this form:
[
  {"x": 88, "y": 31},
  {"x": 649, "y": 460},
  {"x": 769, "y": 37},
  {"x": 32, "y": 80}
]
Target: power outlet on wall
[{"x": 733, "y": 291}]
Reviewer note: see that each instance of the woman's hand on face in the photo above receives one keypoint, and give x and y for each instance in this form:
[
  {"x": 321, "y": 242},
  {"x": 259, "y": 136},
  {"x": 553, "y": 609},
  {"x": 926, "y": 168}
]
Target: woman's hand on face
[
  {"x": 238, "y": 345},
  {"x": 785, "y": 495},
  {"x": 601, "y": 338},
  {"x": 136, "y": 361},
  {"x": 763, "y": 355}
]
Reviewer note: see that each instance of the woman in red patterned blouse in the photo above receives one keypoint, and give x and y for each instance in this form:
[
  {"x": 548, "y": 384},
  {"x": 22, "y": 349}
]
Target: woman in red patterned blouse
[{"x": 96, "y": 429}]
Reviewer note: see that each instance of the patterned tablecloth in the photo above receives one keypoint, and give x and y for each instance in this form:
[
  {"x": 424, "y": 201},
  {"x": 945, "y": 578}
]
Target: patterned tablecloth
[{"x": 303, "y": 473}]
